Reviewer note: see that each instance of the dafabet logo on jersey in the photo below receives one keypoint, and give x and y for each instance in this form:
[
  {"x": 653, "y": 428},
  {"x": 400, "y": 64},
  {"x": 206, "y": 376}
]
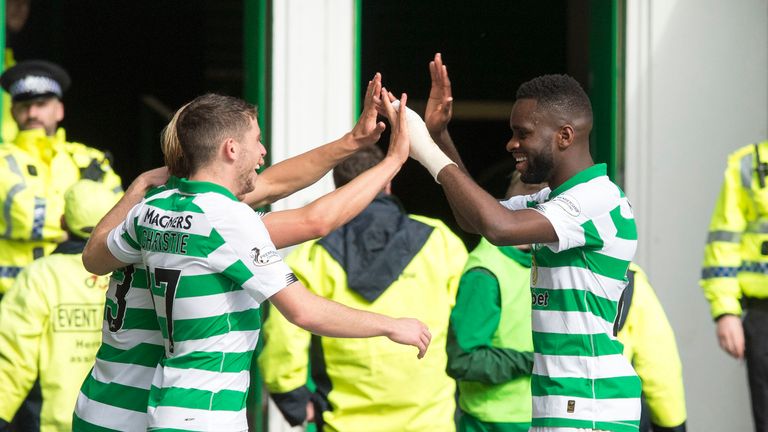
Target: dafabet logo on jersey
[{"x": 264, "y": 256}]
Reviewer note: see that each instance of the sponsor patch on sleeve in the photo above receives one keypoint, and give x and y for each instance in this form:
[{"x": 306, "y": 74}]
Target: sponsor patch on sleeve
[
  {"x": 264, "y": 256},
  {"x": 568, "y": 204}
]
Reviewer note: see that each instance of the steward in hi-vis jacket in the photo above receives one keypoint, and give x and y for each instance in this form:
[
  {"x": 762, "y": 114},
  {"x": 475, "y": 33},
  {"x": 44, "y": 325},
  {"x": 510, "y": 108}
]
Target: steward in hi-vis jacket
[
  {"x": 735, "y": 269},
  {"x": 38, "y": 167}
]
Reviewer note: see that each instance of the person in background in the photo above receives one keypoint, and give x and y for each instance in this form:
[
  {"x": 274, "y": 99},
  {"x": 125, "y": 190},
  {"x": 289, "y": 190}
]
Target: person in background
[
  {"x": 50, "y": 321},
  {"x": 16, "y": 15},
  {"x": 38, "y": 167},
  {"x": 490, "y": 351},
  {"x": 649, "y": 343},
  {"x": 735, "y": 269},
  {"x": 383, "y": 261}
]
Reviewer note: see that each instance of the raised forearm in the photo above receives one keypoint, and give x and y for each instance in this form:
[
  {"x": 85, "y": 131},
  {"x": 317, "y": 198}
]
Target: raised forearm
[
  {"x": 319, "y": 218},
  {"x": 298, "y": 172},
  {"x": 490, "y": 219},
  {"x": 97, "y": 258},
  {"x": 445, "y": 142}
]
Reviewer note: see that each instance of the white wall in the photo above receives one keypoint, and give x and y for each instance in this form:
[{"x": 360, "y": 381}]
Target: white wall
[
  {"x": 697, "y": 89},
  {"x": 312, "y": 81},
  {"x": 313, "y": 100}
]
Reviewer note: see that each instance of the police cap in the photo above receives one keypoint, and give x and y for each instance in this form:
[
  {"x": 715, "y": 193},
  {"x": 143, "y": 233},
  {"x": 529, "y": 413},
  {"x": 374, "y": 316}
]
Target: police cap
[{"x": 31, "y": 79}]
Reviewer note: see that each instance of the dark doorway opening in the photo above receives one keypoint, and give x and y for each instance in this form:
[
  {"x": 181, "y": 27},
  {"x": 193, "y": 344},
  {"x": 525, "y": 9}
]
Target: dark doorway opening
[{"x": 490, "y": 48}]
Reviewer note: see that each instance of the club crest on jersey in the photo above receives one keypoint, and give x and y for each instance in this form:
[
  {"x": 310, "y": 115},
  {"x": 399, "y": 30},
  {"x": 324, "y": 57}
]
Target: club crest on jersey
[{"x": 264, "y": 256}]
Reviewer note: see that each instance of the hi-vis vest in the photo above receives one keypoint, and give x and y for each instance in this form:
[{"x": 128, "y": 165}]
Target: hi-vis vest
[
  {"x": 35, "y": 171},
  {"x": 510, "y": 401},
  {"x": 736, "y": 254}
]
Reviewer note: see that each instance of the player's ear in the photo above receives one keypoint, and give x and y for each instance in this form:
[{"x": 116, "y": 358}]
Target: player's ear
[{"x": 565, "y": 136}]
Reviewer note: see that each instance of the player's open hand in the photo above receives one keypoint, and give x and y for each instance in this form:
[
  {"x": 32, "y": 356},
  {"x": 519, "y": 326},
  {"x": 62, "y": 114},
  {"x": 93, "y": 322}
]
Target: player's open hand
[
  {"x": 409, "y": 331},
  {"x": 368, "y": 130},
  {"x": 399, "y": 141},
  {"x": 151, "y": 178},
  {"x": 440, "y": 103}
]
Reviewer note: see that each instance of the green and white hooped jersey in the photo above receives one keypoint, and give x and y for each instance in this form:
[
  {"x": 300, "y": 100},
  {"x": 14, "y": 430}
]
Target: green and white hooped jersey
[
  {"x": 210, "y": 263},
  {"x": 114, "y": 395},
  {"x": 580, "y": 377}
]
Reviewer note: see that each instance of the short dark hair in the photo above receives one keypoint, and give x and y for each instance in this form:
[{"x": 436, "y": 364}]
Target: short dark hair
[
  {"x": 191, "y": 138},
  {"x": 557, "y": 93},
  {"x": 356, "y": 164}
]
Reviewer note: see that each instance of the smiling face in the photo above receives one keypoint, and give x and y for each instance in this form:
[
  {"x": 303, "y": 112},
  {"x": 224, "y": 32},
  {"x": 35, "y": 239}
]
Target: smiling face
[
  {"x": 252, "y": 158},
  {"x": 533, "y": 139}
]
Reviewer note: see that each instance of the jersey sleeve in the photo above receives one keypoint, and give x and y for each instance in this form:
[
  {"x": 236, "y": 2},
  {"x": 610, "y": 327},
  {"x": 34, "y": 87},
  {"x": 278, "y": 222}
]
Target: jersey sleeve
[
  {"x": 258, "y": 266},
  {"x": 581, "y": 214},
  {"x": 522, "y": 202},
  {"x": 123, "y": 242}
]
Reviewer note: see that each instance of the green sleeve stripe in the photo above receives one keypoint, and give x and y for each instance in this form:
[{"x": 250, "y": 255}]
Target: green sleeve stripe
[
  {"x": 135, "y": 319},
  {"x": 625, "y": 228},
  {"x": 80, "y": 425},
  {"x": 601, "y": 264},
  {"x": 143, "y": 354},
  {"x": 575, "y": 300},
  {"x": 575, "y": 344},
  {"x": 223, "y": 400},
  {"x": 592, "y": 239},
  {"x": 131, "y": 242},
  {"x": 114, "y": 394},
  {"x": 197, "y": 328},
  {"x": 238, "y": 272},
  {"x": 601, "y": 388},
  {"x": 617, "y": 426},
  {"x": 213, "y": 361},
  {"x": 174, "y": 203},
  {"x": 204, "y": 285}
]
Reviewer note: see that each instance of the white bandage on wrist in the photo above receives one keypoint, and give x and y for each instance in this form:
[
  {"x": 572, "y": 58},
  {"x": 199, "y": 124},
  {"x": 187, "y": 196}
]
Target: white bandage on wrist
[{"x": 423, "y": 148}]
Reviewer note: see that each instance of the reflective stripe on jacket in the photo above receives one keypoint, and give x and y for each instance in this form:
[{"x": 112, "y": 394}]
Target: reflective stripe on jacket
[
  {"x": 35, "y": 171},
  {"x": 50, "y": 330}
]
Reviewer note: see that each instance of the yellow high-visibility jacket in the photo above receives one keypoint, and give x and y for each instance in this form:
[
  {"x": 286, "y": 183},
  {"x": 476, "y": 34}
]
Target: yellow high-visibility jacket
[
  {"x": 9, "y": 127},
  {"x": 736, "y": 254},
  {"x": 35, "y": 171},
  {"x": 50, "y": 329},
  {"x": 370, "y": 384},
  {"x": 649, "y": 343}
]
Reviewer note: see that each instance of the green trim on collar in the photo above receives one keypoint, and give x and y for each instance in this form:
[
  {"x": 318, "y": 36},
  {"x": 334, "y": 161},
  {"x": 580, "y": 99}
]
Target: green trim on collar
[
  {"x": 522, "y": 257},
  {"x": 583, "y": 176},
  {"x": 198, "y": 187}
]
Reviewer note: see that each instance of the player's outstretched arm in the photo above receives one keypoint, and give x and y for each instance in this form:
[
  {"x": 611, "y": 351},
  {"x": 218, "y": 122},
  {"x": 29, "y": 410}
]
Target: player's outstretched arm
[
  {"x": 501, "y": 226},
  {"x": 328, "y": 318},
  {"x": 97, "y": 258},
  {"x": 298, "y": 172},
  {"x": 320, "y": 217}
]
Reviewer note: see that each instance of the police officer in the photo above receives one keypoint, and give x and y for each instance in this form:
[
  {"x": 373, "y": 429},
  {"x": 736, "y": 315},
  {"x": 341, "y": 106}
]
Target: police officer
[
  {"x": 50, "y": 322},
  {"x": 38, "y": 167},
  {"x": 735, "y": 269}
]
